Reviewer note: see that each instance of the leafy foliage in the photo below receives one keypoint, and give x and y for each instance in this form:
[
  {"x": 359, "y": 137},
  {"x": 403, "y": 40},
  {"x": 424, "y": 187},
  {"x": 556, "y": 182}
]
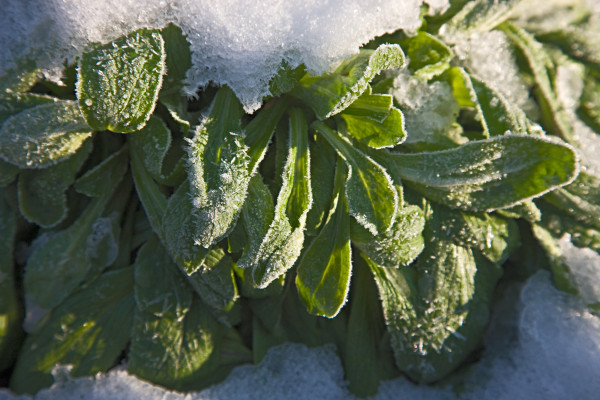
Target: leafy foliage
[{"x": 204, "y": 236}]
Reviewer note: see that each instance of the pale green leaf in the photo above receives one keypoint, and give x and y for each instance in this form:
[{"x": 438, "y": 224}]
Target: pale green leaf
[
  {"x": 118, "y": 82},
  {"x": 428, "y": 56},
  {"x": 43, "y": 135},
  {"x": 89, "y": 330},
  {"x": 280, "y": 247},
  {"x": 374, "y": 106},
  {"x": 13, "y": 103},
  {"x": 219, "y": 169},
  {"x": 329, "y": 94},
  {"x": 323, "y": 273},
  {"x": 372, "y": 198},
  {"x": 488, "y": 174},
  {"x": 388, "y": 133}
]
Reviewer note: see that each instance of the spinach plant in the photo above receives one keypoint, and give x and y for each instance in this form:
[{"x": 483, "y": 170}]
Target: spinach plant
[{"x": 187, "y": 237}]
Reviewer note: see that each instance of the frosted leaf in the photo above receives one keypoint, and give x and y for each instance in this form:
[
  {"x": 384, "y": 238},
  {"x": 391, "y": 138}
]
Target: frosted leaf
[
  {"x": 281, "y": 245},
  {"x": 118, "y": 83},
  {"x": 484, "y": 175},
  {"x": 43, "y": 135},
  {"x": 219, "y": 169}
]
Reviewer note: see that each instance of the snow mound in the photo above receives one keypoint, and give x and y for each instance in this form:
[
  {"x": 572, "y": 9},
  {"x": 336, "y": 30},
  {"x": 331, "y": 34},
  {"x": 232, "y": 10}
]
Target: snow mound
[{"x": 240, "y": 43}]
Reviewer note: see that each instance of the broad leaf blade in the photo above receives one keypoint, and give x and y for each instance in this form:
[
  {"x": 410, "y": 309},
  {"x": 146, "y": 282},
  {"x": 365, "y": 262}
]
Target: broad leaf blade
[
  {"x": 219, "y": 169},
  {"x": 488, "y": 174},
  {"x": 372, "y": 198},
  {"x": 428, "y": 56},
  {"x": 118, "y": 82},
  {"x": 330, "y": 94},
  {"x": 42, "y": 198},
  {"x": 388, "y": 133},
  {"x": 323, "y": 273},
  {"x": 89, "y": 330},
  {"x": 43, "y": 135}
]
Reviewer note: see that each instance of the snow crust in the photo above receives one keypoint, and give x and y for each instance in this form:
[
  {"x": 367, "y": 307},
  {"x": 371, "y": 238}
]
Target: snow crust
[
  {"x": 240, "y": 43},
  {"x": 541, "y": 344}
]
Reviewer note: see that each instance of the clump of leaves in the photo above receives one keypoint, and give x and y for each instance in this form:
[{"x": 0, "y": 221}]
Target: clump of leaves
[{"x": 188, "y": 238}]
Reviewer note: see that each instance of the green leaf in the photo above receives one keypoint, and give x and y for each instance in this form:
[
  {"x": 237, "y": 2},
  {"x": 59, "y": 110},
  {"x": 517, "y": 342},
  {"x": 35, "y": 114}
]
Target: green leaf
[
  {"x": 372, "y": 198},
  {"x": 214, "y": 281},
  {"x": 174, "y": 352},
  {"x": 153, "y": 200},
  {"x": 8, "y": 173},
  {"x": 374, "y": 106},
  {"x": 485, "y": 175},
  {"x": 118, "y": 82},
  {"x": 388, "y": 133},
  {"x": 496, "y": 237},
  {"x": 589, "y": 108},
  {"x": 329, "y": 94},
  {"x": 498, "y": 116},
  {"x": 480, "y": 16},
  {"x": 152, "y": 143},
  {"x": 271, "y": 255},
  {"x": 160, "y": 288},
  {"x": 219, "y": 169},
  {"x": 89, "y": 330},
  {"x": 59, "y": 265},
  {"x": 177, "y": 61},
  {"x": 580, "y": 199},
  {"x": 580, "y": 42},
  {"x": 10, "y": 310},
  {"x": 323, "y": 273},
  {"x": 14, "y": 103},
  {"x": 322, "y": 164},
  {"x": 428, "y": 56},
  {"x": 43, "y": 135},
  {"x": 178, "y": 228},
  {"x": 542, "y": 68},
  {"x": 42, "y": 198},
  {"x": 437, "y": 309},
  {"x": 397, "y": 247},
  {"x": 286, "y": 78}
]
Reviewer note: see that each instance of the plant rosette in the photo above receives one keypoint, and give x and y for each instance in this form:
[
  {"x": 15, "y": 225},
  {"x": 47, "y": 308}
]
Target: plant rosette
[{"x": 382, "y": 206}]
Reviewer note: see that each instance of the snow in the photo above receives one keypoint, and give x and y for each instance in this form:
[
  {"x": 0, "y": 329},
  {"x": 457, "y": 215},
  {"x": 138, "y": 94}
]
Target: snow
[
  {"x": 240, "y": 43},
  {"x": 541, "y": 343}
]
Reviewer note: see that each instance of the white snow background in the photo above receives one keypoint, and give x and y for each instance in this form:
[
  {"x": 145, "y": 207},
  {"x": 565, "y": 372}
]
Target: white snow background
[{"x": 541, "y": 344}]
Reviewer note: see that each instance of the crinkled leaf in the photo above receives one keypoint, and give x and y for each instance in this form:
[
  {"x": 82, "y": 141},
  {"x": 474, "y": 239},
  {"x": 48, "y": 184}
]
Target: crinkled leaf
[
  {"x": 372, "y": 198},
  {"x": 484, "y": 175},
  {"x": 282, "y": 244},
  {"x": 397, "y": 247},
  {"x": 437, "y": 309},
  {"x": 323, "y": 273},
  {"x": 329, "y": 94},
  {"x": 10, "y": 311},
  {"x": 286, "y": 78},
  {"x": 58, "y": 266},
  {"x": 160, "y": 288},
  {"x": 42, "y": 198},
  {"x": 219, "y": 169},
  {"x": 178, "y": 228},
  {"x": 43, "y": 135},
  {"x": 89, "y": 330},
  {"x": 494, "y": 236},
  {"x": 118, "y": 82},
  {"x": 543, "y": 72},
  {"x": 428, "y": 56},
  {"x": 369, "y": 131}
]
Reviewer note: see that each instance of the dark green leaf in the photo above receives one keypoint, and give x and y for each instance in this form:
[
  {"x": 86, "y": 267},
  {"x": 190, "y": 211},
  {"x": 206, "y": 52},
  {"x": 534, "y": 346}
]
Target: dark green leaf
[
  {"x": 286, "y": 78},
  {"x": 178, "y": 59},
  {"x": 494, "y": 236},
  {"x": 219, "y": 169},
  {"x": 323, "y": 273},
  {"x": 329, "y": 94},
  {"x": 372, "y": 198},
  {"x": 43, "y": 135},
  {"x": 488, "y": 174},
  {"x": 89, "y": 330},
  {"x": 10, "y": 310},
  {"x": 322, "y": 164},
  {"x": 152, "y": 143},
  {"x": 8, "y": 173},
  {"x": 118, "y": 82},
  {"x": 42, "y": 198}
]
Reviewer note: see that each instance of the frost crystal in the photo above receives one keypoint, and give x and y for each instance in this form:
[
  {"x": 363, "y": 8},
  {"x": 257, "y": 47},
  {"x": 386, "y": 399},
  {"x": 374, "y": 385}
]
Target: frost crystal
[{"x": 238, "y": 43}]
